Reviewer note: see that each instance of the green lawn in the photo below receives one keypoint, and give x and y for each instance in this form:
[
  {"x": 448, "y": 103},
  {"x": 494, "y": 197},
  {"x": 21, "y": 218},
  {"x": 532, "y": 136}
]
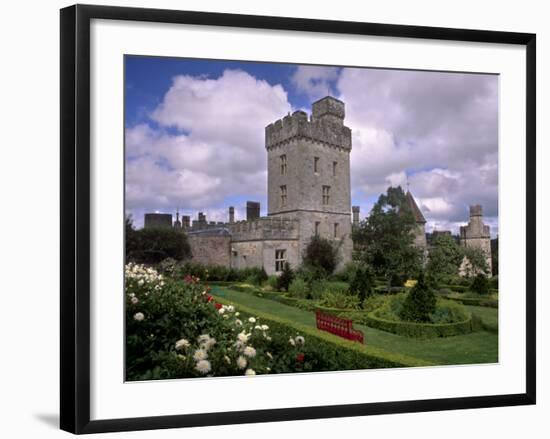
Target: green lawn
[{"x": 478, "y": 347}]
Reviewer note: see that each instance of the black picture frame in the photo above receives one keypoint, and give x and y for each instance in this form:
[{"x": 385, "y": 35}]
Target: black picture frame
[{"x": 75, "y": 217}]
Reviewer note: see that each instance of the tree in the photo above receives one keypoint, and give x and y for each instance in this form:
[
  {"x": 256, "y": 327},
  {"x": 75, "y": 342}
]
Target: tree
[
  {"x": 362, "y": 282},
  {"x": 321, "y": 254},
  {"x": 419, "y": 303},
  {"x": 386, "y": 239},
  {"x": 285, "y": 279},
  {"x": 152, "y": 245},
  {"x": 474, "y": 261},
  {"x": 445, "y": 258}
]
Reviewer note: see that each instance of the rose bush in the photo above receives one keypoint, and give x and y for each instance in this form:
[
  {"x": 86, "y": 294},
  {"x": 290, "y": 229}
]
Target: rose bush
[{"x": 175, "y": 329}]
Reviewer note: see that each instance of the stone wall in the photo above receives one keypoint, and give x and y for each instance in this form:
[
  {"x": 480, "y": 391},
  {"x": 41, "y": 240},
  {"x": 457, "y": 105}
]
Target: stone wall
[
  {"x": 248, "y": 254},
  {"x": 210, "y": 250},
  {"x": 265, "y": 228}
]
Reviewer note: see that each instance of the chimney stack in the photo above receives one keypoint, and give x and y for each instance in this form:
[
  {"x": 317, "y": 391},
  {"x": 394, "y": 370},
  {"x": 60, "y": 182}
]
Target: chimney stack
[
  {"x": 252, "y": 210},
  {"x": 231, "y": 214}
]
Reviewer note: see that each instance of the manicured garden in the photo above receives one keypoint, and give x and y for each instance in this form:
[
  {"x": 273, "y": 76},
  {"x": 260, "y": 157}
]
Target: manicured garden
[
  {"x": 188, "y": 320},
  {"x": 476, "y": 347}
]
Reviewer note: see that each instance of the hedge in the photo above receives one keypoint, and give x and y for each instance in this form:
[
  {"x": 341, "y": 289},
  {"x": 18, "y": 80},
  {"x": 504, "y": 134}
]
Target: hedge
[
  {"x": 369, "y": 357},
  {"x": 489, "y": 303},
  {"x": 419, "y": 330}
]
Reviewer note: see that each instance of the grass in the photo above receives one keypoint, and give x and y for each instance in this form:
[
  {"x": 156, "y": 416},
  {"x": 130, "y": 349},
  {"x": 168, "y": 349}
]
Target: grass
[{"x": 478, "y": 347}]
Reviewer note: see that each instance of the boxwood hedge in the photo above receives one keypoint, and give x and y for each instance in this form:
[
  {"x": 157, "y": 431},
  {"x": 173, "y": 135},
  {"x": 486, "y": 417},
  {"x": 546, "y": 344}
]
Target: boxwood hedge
[
  {"x": 421, "y": 330},
  {"x": 342, "y": 354}
]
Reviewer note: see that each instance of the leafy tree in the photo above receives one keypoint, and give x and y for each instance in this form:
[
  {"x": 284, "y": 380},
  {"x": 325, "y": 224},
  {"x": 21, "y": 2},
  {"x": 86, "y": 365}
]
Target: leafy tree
[
  {"x": 475, "y": 261},
  {"x": 419, "y": 303},
  {"x": 152, "y": 245},
  {"x": 386, "y": 237},
  {"x": 445, "y": 258},
  {"x": 285, "y": 279},
  {"x": 362, "y": 282},
  {"x": 321, "y": 254},
  {"x": 480, "y": 284}
]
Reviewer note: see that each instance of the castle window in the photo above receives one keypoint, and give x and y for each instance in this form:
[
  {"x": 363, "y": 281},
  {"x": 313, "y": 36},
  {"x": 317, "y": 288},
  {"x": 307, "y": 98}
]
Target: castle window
[
  {"x": 283, "y": 164},
  {"x": 280, "y": 259},
  {"x": 315, "y": 164},
  {"x": 317, "y": 225},
  {"x": 334, "y": 166},
  {"x": 283, "y": 195},
  {"x": 326, "y": 195},
  {"x": 336, "y": 231}
]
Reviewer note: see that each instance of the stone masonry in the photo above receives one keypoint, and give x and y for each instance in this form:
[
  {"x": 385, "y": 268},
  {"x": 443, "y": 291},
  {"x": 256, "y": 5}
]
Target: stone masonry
[
  {"x": 308, "y": 168},
  {"x": 477, "y": 235}
]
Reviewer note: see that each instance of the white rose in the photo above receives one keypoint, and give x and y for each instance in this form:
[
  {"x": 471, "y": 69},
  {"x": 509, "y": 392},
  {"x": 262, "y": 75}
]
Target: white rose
[{"x": 139, "y": 316}]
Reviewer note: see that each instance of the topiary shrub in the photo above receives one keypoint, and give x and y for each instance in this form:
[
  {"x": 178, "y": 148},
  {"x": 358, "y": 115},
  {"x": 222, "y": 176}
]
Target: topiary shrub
[
  {"x": 320, "y": 253},
  {"x": 419, "y": 303},
  {"x": 480, "y": 284},
  {"x": 362, "y": 282},
  {"x": 285, "y": 279}
]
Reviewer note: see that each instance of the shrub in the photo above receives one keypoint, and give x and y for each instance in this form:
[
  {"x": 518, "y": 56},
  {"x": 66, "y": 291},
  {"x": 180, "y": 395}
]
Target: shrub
[
  {"x": 448, "y": 311},
  {"x": 298, "y": 288},
  {"x": 494, "y": 282},
  {"x": 272, "y": 281},
  {"x": 397, "y": 279},
  {"x": 285, "y": 279},
  {"x": 152, "y": 245},
  {"x": 338, "y": 299},
  {"x": 480, "y": 284},
  {"x": 362, "y": 282},
  {"x": 419, "y": 303},
  {"x": 256, "y": 276},
  {"x": 321, "y": 254},
  {"x": 422, "y": 330},
  {"x": 346, "y": 274}
]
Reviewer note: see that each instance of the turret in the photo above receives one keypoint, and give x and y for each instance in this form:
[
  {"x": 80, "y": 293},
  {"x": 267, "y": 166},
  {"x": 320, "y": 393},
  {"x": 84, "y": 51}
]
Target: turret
[{"x": 356, "y": 210}]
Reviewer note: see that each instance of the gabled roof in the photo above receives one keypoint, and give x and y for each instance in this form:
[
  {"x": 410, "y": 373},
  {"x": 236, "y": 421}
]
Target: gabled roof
[{"x": 417, "y": 213}]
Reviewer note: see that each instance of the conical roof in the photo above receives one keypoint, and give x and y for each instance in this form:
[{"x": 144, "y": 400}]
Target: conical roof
[{"x": 417, "y": 213}]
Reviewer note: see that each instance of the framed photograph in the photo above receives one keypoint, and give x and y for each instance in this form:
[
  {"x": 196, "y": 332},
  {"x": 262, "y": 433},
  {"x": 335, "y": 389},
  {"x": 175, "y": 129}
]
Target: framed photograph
[{"x": 275, "y": 218}]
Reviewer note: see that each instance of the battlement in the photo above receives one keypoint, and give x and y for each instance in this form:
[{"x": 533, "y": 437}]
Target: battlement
[
  {"x": 264, "y": 228},
  {"x": 325, "y": 126}
]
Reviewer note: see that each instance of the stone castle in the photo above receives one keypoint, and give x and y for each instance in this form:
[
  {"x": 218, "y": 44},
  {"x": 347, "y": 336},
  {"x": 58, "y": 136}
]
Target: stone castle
[{"x": 308, "y": 193}]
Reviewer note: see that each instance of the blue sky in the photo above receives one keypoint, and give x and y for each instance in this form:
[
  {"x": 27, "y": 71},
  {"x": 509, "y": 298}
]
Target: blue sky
[{"x": 194, "y": 134}]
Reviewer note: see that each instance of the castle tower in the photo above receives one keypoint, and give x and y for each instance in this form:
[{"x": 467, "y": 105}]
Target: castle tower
[
  {"x": 477, "y": 235},
  {"x": 231, "y": 214},
  {"x": 308, "y": 173},
  {"x": 356, "y": 210},
  {"x": 419, "y": 230}
]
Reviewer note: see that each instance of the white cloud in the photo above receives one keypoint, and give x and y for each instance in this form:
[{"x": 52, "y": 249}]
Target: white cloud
[
  {"x": 217, "y": 149},
  {"x": 314, "y": 81},
  {"x": 439, "y": 128}
]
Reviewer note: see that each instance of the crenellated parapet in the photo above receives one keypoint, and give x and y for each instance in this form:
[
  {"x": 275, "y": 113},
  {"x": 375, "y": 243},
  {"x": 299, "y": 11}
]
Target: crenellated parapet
[{"x": 324, "y": 126}]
